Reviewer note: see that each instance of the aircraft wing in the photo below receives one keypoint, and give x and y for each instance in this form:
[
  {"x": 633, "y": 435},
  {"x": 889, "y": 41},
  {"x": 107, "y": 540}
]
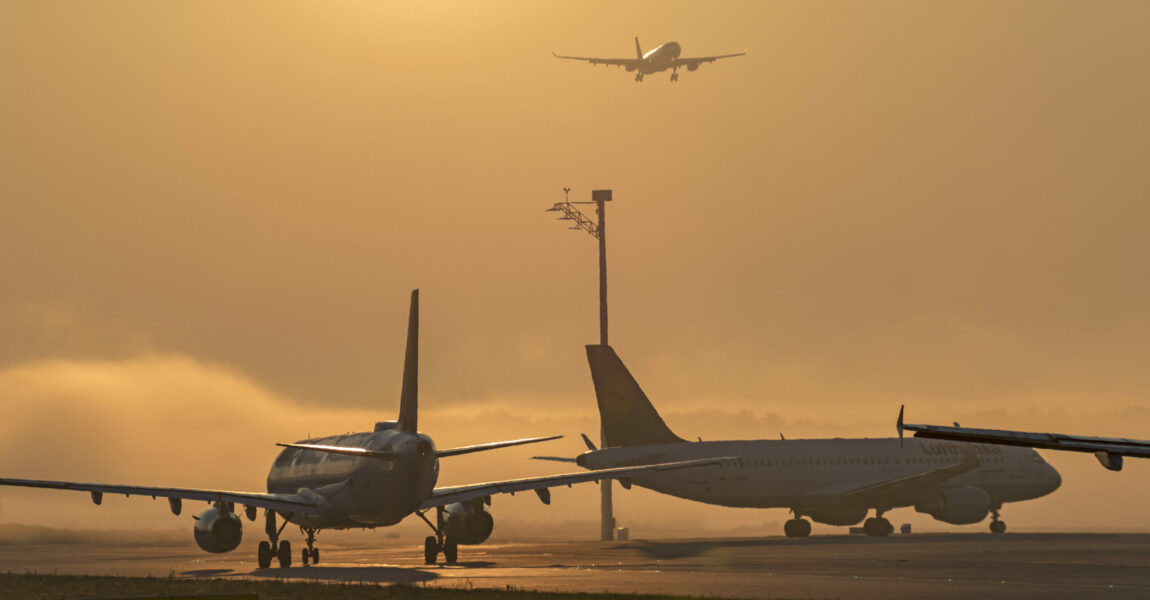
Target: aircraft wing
[
  {"x": 450, "y": 495},
  {"x": 616, "y": 62},
  {"x": 1051, "y": 441},
  {"x": 909, "y": 485},
  {"x": 284, "y": 503},
  {"x": 693, "y": 63}
]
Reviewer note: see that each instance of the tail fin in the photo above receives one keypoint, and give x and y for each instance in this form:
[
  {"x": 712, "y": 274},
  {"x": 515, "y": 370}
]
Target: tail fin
[
  {"x": 638, "y": 49},
  {"x": 627, "y": 416},
  {"x": 409, "y": 396}
]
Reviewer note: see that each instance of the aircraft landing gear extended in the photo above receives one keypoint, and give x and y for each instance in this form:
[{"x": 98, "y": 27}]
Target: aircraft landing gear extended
[
  {"x": 311, "y": 552},
  {"x": 638, "y": 78},
  {"x": 797, "y": 527},
  {"x": 878, "y": 526},
  {"x": 433, "y": 544},
  {"x": 675, "y": 75},
  {"x": 273, "y": 548},
  {"x": 996, "y": 526}
]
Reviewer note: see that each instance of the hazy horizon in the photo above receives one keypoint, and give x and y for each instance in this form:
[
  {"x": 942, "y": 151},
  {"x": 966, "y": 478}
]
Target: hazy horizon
[{"x": 212, "y": 215}]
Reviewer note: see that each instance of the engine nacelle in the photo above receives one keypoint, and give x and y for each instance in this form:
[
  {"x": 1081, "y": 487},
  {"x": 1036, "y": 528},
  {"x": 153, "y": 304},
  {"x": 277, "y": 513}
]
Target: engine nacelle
[
  {"x": 837, "y": 516},
  {"x": 218, "y": 530},
  {"x": 692, "y": 66},
  {"x": 959, "y": 506},
  {"x": 469, "y": 522}
]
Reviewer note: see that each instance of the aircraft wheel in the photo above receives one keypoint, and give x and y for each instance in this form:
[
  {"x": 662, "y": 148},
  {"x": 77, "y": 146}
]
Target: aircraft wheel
[
  {"x": 451, "y": 550},
  {"x": 878, "y": 527},
  {"x": 998, "y": 526},
  {"x": 284, "y": 554},
  {"x": 264, "y": 555},
  {"x": 796, "y": 528},
  {"x": 304, "y": 555},
  {"x": 315, "y": 556},
  {"x": 430, "y": 549}
]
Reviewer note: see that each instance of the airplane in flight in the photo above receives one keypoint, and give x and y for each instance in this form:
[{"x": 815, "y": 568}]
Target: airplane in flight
[
  {"x": 831, "y": 481},
  {"x": 660, "y": 59},
  {"x": 360, "y": 480},
  {"x": 1108, "y": 450}
]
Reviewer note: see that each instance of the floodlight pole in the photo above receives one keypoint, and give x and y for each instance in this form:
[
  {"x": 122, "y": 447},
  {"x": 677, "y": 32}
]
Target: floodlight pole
[{"x": 599, "y": 231}]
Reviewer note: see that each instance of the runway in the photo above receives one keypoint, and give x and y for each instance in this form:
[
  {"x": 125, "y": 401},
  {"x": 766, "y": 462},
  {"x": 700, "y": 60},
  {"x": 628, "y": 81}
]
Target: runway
[{"x": 913, "y": 566}]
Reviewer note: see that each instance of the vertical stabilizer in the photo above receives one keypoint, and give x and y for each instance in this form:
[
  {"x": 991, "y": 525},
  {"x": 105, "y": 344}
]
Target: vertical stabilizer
[
  {"x": 638, "y": 49},
  {"x": 409, "y": 396},
  {"x": 627, "y": 415}
]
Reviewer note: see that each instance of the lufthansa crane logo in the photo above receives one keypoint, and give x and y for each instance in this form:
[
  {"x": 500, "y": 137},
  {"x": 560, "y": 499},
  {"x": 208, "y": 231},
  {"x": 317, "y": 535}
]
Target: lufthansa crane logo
[{"x": 619, "y": 396}]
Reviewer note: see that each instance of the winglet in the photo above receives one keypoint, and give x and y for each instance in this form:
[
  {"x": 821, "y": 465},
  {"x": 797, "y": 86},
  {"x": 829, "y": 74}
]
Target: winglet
[
  {"x": 409, "y": 396},
  {"x": 590, "y": 444},
  {"x": 638, "y": 49},
  {"x": 899, "y": 424}
]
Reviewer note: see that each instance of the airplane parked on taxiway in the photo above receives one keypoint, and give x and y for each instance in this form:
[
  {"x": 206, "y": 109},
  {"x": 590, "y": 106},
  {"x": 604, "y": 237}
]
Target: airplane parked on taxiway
[
  {"x": 831, "y": 481},
  {"x": 361, "y": 480}
]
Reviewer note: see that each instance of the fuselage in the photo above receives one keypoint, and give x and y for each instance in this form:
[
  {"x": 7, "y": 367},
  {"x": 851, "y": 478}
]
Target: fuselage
[
  {"x": 805, "y": 474},
  {"x": 357, "y": 491},
  {"x": 660, "y": 58}
]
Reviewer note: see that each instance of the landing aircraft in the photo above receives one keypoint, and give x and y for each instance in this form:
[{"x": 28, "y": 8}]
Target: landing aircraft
[
  {"x": 1109, "y": 451},
  {"x": 660, "y": 59},
  {"x": 361, "y": 480},
  {"x": 832, "y": 481}
]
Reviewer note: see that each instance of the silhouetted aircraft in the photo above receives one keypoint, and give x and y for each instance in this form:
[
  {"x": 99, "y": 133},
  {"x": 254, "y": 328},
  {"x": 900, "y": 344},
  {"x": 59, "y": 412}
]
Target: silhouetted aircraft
[
  {"x": 360, "y": 480},
  {"x": 660, "y": 59},
  {"x": 1108, "y": 451},
  {"x": 832, "y": 481}
]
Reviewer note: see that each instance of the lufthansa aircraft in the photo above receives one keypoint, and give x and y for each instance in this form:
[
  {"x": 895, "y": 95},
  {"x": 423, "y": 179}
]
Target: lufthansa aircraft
[
  {"x": 1108, "y": 451},
  {"x": 831, "y": 481},
  {"x": 361, "y": 480},
  {"x": 660, "y": 59}
]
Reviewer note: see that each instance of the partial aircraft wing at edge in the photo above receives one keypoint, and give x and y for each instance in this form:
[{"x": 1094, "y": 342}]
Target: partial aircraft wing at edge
[
  {"x": 286, "y": 503},
  {"x": 450, "y": 495},
  {"x": 1049, "y": 441}
]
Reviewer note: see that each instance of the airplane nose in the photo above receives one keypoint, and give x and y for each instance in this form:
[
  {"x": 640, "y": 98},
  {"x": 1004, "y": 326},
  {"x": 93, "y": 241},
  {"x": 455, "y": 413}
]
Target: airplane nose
[{"x": 1053, "y": 477}]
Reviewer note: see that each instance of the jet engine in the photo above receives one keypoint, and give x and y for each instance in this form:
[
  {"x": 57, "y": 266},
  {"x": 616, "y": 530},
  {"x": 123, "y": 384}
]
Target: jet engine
[
  {"x": 958, "y": 506},
  {"x": 218, "y": 530},
  {"x": 693, "y": 66},
  {"x": 837, "y": 516},
  {"x": 469, "y": 522}
]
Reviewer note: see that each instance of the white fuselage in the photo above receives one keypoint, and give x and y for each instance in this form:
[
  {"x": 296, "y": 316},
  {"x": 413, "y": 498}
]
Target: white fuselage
[
  {"x": 805, "y": 474},
  {"x": 661, "y": 58}
]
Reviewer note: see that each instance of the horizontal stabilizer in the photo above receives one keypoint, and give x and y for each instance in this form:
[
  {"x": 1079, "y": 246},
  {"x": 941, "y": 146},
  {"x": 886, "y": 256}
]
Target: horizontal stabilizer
[
  {"x": 361, "y": 452},
  {"x": 492, "y": 446},
  {"x": 555, "y": 459}
]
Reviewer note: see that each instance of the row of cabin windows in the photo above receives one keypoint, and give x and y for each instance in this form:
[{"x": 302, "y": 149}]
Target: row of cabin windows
[
  {"x": 837, "y": 462},
  {"x": 311, "y": 457}
]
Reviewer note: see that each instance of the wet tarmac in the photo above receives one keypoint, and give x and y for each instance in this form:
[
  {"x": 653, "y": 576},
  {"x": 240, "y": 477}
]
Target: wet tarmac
[{"x": 914, "y": 566}]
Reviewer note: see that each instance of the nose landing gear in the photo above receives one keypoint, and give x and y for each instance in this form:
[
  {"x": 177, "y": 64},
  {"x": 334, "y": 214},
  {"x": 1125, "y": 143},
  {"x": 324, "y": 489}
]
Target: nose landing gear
[
  {"x": 996, "y": 526},
  {"x": 311, "y": 552}
]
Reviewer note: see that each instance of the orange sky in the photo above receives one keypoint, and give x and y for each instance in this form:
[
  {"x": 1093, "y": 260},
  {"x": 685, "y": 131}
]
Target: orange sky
[{"x": 211, "y": 215}]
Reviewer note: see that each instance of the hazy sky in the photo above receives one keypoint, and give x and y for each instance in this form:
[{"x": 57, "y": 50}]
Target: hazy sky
[{"x": 212, "y": 214}]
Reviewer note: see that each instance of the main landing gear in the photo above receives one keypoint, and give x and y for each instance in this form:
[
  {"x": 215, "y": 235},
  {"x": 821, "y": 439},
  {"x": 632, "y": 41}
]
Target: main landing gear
[
  {"x": 675, "y": 75},
  {"x": 433, "y": 544},
  {"x": 273, "y": 548},
  {"x": 638, "y": 78},
  {"x": 797, "y": 527},
  {"x": 996, "y": 526},
  {"x": 877, "y": 526}
]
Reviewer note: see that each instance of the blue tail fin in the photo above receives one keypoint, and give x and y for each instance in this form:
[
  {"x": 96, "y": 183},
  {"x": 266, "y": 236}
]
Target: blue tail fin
[{"x": 627, "y": 415}]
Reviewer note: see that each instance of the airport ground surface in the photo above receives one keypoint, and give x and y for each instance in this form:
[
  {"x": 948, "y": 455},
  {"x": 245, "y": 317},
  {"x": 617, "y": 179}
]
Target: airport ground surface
[{"x": 914, "y": 566}]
